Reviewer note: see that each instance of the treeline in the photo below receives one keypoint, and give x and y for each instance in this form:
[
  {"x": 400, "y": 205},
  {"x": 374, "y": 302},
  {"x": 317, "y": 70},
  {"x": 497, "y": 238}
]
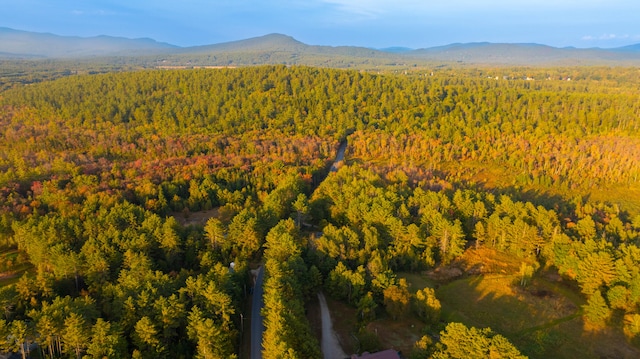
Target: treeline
[
  {"x": 21, "y": 71},
  {"x": 288, "y": 284},
  {"x": 561, "y": 161},
  {"x": 567, "y": 134}
]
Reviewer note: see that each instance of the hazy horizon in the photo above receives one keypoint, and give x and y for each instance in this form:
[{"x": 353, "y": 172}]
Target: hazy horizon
[{"x": 375, "y": 24}]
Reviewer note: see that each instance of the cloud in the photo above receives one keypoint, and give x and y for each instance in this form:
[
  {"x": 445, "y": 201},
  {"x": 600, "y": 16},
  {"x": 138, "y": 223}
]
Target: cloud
[
  {"x": 360, "y": 8},
  {"x": 374, "y": 9},
  {"x": 605, "y": 37},
  {"x": 97, "y": 12}
]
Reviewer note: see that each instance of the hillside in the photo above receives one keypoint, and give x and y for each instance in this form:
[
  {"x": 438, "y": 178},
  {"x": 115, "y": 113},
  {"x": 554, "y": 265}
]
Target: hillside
[
  {"x": 44, "y": 45},
  {"x": 282, "y": 49},
  {"x": 271, "y": 42},
  {"x": 527, "y": 54}
]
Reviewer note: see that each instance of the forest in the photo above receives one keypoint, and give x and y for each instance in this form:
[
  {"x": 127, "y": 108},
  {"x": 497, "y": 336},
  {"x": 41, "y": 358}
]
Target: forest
[{"x": 496, "y": 211}]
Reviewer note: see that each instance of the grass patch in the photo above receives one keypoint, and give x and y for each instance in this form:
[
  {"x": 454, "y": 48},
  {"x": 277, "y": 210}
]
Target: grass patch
[
  {"x": 399, "y": 335},
  {"x": 486, "y": 301},
  {"x": 544, "y": 320},
  {"x": 12, "y": 272},
  {"x": 12, "y": 276},
  {"x": 417, "y": 281},
  {"x": 200, "y": 218}
]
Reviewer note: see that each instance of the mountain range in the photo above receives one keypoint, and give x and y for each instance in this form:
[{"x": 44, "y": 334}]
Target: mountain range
[{"x": 282, "y": 49}]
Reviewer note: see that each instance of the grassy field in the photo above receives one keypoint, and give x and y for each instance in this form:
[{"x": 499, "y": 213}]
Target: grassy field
[
  {"x": 494, "y": 301},
  {"x": 543, "y": 319},
  {"x": 14, "y": 271}
]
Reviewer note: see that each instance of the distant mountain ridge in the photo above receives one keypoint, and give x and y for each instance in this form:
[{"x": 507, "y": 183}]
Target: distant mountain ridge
[
  {"x": 270, "y": 42},
  {"x": 528, "y": 54},
  {"x": 396, "y": 49},
  {"x": 34, "y": 44},
  {"x": 281, "y": 43},
  {"x": 634, "y": 47},
  {"x": 283, "y": 49}
]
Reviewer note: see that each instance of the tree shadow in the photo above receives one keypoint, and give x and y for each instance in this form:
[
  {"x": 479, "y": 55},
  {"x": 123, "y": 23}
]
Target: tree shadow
[{"x": 539, "y": 319}]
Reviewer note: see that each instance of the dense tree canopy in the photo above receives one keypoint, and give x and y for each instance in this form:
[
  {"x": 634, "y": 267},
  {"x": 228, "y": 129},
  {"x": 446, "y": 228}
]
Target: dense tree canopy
[{"x": 124, "y": 197}]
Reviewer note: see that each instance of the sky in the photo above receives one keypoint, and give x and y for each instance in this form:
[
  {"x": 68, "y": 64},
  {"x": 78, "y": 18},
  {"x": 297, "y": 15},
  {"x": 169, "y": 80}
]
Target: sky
[{"x": 369, "y": 23}]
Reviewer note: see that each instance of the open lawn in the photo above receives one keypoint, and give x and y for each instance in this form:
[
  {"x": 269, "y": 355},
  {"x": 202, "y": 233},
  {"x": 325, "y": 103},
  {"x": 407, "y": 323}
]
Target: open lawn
[
  {"x": 417, "y": 281},
  {"x": 399, "y": 335}
]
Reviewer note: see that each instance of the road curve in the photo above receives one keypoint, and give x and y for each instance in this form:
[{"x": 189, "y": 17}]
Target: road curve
[{"x": 257, "y": 324}]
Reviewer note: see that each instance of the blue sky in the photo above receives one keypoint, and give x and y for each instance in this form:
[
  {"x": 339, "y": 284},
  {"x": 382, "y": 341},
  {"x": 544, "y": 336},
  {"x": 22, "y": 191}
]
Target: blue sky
[{"x": 370, "y": 23}]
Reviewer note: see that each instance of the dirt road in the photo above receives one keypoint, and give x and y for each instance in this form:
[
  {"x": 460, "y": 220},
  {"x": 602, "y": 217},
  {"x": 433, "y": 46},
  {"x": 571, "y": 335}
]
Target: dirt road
[{"x": 331, "y": 348}]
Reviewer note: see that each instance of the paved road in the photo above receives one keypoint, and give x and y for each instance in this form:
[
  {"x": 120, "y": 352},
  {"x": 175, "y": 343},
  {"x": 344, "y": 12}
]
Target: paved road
[
  {"x": 339, "y": 157},
  {"x": 257, "y": 325},
  {"x": 331, "y": 348}
]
